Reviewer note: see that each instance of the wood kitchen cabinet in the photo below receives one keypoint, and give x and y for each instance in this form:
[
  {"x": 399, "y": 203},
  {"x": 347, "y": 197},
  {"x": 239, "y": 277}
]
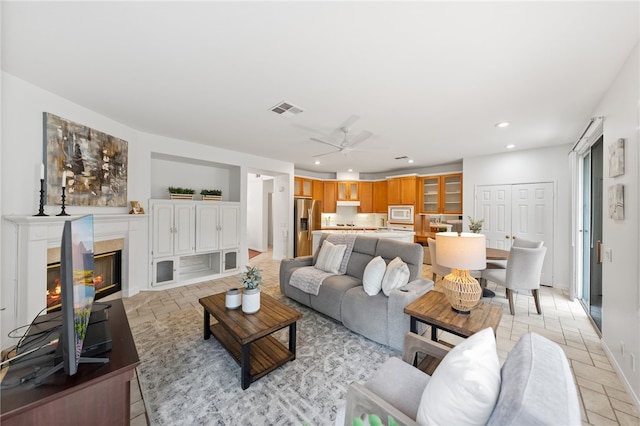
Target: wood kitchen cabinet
[
  {"x": 318, "y": 190},
  {"x": 380, "y": 197},
  {"x": 401, "y": 190},
  {"x": 329, "y": 197},
  {"x": 348, "y": 191},
  {"x": 441, "y": 194},
  {"x": 302, "y": 187},
  {"x": 366, "y": 197}
]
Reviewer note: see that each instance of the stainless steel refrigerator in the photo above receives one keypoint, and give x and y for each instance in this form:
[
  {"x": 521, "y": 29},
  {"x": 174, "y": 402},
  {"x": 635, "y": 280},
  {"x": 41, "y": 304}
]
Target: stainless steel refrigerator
[{"x": 307, "y": 218}]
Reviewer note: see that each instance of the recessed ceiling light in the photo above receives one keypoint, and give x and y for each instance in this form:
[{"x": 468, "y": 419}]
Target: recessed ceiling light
[
  {"x": 316, "y": 162},
  {"x": 350, "y": 170},
  {"x": 410, "y": 160},
  {"x": 510, "y": 146},
  {"x": 502, "y": 124}
]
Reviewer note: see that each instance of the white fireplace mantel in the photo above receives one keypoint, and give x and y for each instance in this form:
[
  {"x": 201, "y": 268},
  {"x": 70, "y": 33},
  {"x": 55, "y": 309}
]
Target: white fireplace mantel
[{"x": 34, "y": 235}]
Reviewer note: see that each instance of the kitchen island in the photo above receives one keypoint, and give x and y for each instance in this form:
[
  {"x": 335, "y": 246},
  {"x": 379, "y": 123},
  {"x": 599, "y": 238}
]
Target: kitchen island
[{"x": 405, "y": 236}]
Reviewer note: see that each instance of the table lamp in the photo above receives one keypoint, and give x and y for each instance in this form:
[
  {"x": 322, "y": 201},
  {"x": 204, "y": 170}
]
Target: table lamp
[{"x": 461, "y": 252}]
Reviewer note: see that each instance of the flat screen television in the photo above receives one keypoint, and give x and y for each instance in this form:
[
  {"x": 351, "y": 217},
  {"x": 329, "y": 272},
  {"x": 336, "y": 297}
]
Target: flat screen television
[{"x": 77, "y": 294}]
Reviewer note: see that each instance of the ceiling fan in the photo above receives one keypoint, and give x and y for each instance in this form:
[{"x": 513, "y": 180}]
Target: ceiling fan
[{"x": 347, "y": 145}]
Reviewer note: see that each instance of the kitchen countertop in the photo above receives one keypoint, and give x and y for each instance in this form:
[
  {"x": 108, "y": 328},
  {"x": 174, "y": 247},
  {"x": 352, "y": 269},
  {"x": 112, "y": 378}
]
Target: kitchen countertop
[{"x": 381, "y": 233}]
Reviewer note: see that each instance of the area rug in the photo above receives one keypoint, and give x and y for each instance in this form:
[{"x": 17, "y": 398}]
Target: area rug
[{"x": 186, "y": 380}]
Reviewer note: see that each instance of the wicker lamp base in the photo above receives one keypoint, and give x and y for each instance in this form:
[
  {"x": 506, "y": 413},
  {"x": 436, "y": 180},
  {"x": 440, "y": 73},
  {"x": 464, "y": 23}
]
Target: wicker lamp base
[{"x": 462, "y": 290}]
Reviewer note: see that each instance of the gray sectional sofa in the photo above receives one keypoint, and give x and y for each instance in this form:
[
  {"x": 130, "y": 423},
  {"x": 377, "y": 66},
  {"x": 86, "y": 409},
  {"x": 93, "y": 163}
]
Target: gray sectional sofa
[{"x": 342, "y": 297}]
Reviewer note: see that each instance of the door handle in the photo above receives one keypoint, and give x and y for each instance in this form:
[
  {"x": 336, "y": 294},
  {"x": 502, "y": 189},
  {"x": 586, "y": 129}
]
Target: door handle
[
  {"x": 507, "y": 237},
  {"x": 598, "y": 252}
]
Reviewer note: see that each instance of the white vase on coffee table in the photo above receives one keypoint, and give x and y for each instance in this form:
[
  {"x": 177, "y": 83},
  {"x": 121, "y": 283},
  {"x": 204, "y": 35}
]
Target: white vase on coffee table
[{"x": 251, "y": 300}]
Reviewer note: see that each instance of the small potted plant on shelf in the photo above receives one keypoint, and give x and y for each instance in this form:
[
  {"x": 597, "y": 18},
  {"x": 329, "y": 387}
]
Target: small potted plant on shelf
[
  {"x": 251, "y": 281},
  {"x": 475, "y": 226},
  {"x": 177, "y": 193},
  {"x": 211, "y": 194}
]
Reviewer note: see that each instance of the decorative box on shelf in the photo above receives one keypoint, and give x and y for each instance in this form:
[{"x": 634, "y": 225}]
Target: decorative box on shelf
[
  {"x": 212, "y": 197},
  {"x": 181, "y": 196}
]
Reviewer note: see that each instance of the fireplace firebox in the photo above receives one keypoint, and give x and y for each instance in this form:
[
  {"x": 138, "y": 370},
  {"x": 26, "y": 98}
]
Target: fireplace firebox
[{"x": 107, "y": 278}]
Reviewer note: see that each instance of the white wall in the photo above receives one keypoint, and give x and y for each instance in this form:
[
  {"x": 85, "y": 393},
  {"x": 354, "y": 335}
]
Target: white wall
[
  {"x": 539, "y": 165},
  {"x": 620, "y": 108}
]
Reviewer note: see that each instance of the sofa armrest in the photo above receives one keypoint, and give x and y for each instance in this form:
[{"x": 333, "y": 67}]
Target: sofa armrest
[
  {"x": 287, "y": 267},
  {"x": 415, "y": 343},
  {"x": 398, "y": 321},
  {"x": 362, "y": 401}
]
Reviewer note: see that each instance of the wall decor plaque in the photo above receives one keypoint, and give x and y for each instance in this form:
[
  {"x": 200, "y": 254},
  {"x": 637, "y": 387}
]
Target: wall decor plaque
[
  {"x": 616, "y": 158},
  {"x": 616, "y": 202},
  {"x": 93, "y": 164}
]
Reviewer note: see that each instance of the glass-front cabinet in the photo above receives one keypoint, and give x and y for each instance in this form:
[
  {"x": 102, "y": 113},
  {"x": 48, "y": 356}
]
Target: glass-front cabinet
[
  {"x": 430, "y": 195},
  {"x": 441, "y": 194},
  {"x": 452, "y": 194},
  {"x": 348, "y": 191}
]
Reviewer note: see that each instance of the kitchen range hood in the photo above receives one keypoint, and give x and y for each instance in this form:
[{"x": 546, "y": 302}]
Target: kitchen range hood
[{"x": 348, "y": 203}]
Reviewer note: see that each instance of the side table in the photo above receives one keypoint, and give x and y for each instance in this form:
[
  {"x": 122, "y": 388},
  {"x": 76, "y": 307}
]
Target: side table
[{"x": 433, "y": 309}]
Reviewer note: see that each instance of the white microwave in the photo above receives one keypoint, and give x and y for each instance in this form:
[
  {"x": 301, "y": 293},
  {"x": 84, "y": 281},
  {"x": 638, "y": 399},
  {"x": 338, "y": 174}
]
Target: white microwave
[{"x": 400, "y": 214}]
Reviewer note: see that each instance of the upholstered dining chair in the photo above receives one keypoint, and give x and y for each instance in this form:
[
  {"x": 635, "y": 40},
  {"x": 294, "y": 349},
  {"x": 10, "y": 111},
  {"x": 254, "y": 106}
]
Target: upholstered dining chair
[
  {"x": 523, "y": 271},
  {"x": 518, "y": 242},
  {"x": 436, "y": 269}
]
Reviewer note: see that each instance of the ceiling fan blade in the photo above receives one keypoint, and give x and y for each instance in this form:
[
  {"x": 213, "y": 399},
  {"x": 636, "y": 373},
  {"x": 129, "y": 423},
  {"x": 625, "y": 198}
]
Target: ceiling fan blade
[
  {"x": 326, "y": 143},
  {"x": 349, "y": 122},
  {"x": 361, "y": 137},
  {"x": 326, "y": 153}
]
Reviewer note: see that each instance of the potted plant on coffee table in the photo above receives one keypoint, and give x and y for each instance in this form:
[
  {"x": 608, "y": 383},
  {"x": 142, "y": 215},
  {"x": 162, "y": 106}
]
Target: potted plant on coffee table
[
  {"x": 211, "y": 194},
  {"x": 251, "y": 281},
  {"x": 178, "y": 193}
]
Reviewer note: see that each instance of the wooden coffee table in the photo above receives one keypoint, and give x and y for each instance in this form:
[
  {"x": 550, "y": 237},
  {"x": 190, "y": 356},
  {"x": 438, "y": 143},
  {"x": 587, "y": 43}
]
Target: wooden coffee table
[
  {"x": 433, "y": 309},
  {"x": 247, "y": 337}
]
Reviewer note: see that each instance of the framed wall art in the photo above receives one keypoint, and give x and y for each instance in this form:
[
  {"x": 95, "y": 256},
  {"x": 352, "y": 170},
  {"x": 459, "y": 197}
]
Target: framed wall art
[
  {"x": 92, "y": 164},
  {"x": 616, "y": 202},
  {"x": 616, "y": 158}
]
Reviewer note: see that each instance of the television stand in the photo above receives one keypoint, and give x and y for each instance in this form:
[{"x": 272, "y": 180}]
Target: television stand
[
  {"x": 60, "y": 366},
  {"x": 98, "y": 394}
]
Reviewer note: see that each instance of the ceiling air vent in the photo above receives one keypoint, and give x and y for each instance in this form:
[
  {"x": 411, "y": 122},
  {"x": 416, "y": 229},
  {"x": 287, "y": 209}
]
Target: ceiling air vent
[
  {"x": 286, "y": 109},
  {"x": 404, "y": 157}
]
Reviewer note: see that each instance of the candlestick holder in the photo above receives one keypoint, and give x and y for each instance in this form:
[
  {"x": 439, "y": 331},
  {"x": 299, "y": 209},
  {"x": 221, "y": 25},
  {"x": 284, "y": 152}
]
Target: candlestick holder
[
  {"x": 64, "y": 196},
  {"x": 41, "y": 210}
]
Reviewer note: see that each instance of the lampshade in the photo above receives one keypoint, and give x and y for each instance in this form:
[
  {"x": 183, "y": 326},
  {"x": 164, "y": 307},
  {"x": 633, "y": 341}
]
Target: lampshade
[{"x": 461, "y": 251}]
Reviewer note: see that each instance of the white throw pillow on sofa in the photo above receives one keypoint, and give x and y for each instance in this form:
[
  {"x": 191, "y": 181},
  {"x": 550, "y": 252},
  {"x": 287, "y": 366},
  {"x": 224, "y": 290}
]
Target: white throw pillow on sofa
[
  {"x": 465, "y": 386},
  {"x": 330, "y": 257},
  {"x": 373, "y": 274},
  {"x": 396, "y": 275}
]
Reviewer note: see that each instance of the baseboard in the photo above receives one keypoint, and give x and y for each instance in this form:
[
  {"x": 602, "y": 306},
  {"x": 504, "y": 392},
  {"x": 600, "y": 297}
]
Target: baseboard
[{"x": 620, "y": 373}]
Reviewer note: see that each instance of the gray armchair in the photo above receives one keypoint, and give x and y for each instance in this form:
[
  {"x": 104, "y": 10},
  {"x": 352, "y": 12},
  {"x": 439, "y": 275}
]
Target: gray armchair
[
  {"x": 535, "y": 366},
  {"x": 524, "y": 268}
]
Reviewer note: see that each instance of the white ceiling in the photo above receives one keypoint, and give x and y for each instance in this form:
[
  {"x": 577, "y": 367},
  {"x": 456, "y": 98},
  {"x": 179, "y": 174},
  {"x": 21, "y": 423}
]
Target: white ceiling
[{"x": 428, "y": 79}]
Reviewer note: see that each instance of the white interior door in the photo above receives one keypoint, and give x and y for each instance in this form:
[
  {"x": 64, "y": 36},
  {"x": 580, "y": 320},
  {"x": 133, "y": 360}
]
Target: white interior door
[
  {"x": 493, "y": 205},
  {"x": 532, "y": 219},
  {"x": 518, "y": 211}
]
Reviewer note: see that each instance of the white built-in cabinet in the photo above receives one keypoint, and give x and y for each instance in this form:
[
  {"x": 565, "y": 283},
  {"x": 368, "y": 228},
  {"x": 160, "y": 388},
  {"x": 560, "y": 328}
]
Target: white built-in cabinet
[{"x": 193, "y": 239}]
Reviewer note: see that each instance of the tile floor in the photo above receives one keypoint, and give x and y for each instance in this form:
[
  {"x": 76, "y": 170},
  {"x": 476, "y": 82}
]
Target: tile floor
[{"x": 603, "y": 397}]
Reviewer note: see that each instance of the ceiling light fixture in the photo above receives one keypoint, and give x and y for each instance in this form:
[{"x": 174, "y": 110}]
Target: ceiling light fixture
[
  {"x": 350, "y": 170},
  {"x": 316, "y": 162},
  {"x": 502, "y": 124},
  {"x": 410, "y": 160},
  {"x": 510, "y": 146}
]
